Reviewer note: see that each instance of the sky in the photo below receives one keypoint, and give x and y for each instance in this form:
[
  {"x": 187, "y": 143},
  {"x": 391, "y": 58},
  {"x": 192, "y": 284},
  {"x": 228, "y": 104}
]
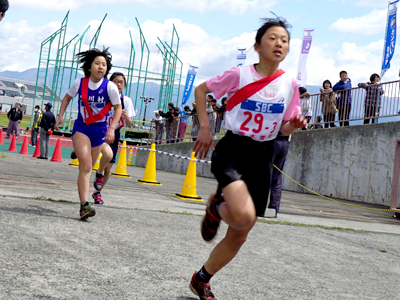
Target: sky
[{"x": 349, "y": 34}]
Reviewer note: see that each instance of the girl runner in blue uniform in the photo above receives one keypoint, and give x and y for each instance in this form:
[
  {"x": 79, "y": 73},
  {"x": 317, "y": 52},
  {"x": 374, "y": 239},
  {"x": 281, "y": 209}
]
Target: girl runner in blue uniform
[
  {"x": 110, "y": 151},
  {"x": 262, "y": 101},
  {"x": 96, "y": 96}
]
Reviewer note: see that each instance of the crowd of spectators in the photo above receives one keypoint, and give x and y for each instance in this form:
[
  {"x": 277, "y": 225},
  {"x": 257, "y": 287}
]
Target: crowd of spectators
[
  {"x": 335, "y": 100},
  {"x": 338, "y": 100},
  {"x": 175, "y": 121}
]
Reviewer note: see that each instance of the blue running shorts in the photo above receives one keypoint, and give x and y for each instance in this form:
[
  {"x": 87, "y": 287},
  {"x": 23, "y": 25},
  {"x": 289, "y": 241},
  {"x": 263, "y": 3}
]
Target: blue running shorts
[{"x": 96, "y": 132}]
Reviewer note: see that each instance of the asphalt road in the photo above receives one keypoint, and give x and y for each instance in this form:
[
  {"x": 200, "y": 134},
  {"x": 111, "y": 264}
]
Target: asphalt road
[{"x": 145, "y": 244}]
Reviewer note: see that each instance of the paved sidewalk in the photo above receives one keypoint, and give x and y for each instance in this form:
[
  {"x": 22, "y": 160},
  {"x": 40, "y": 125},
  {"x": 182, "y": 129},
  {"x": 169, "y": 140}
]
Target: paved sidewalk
[{"x": 145, "y": 244}]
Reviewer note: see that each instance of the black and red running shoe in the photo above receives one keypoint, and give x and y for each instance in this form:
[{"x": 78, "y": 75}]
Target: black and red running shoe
[
  {"x": 211, "y": 220},
  {"x": 201, "y": 289}
]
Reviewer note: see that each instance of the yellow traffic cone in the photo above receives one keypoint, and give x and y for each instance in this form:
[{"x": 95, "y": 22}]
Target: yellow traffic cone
[
  {"x": 75, "y": 163},
  {"x": 189, "y": 186},
  {"x": 130, "y": 161},
  {"x": 120, "y": 171},
  {"x": 97, "y": 164},
  {"x": 149, "y": 176}
]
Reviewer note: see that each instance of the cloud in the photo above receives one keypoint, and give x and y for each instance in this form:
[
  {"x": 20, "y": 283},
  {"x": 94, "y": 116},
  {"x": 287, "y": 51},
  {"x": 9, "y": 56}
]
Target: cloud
[
  {"x": 370, "y": 24},
  {"x": 235, "y": 7},
  {"x": 372, "y": 3},
  {"x": 20, "y": 42},
  {"x": 359, "y": 61}
]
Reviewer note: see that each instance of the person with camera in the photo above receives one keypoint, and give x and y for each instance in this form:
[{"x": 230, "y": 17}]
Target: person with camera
[{"x": 47, "y": 127}]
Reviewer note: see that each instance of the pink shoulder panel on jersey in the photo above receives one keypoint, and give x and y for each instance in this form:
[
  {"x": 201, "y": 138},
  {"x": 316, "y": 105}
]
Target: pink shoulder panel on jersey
[{"x": 226, "y": 82}]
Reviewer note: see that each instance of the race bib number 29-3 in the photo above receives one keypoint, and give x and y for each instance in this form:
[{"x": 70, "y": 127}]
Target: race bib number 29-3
[{"x": 259, "y": 119}]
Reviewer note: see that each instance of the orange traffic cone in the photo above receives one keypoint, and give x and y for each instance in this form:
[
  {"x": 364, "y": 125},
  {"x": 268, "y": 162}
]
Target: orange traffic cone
[
  {"x": 189, "y": 186},
  {"x": 1, "y": 136},
  {"x": 37, "y": 149},
  {"x": 57, "y": 152},
  {"x": 13, "y": 145},
  {"x": 24, "y": 148},
  {"x": 149, "y": 176}
]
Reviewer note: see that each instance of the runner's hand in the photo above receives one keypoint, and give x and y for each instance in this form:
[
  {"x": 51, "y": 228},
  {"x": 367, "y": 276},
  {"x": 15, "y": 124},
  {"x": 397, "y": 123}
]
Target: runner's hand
[
  {"x": 298, "y": 121},
  {"x": 203, "y": 143},
  {"x": 60, "y": 120},
  {"x": 110, "y": 136}
]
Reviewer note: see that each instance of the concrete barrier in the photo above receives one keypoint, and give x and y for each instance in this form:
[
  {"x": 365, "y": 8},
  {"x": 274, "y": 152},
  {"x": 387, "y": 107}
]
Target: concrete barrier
[{"x": 352, "y": 163}]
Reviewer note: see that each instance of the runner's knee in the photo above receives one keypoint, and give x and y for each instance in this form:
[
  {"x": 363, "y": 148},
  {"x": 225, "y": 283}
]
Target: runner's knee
[
  {"x": 244, "y": 220},
  {"x": 85, "y": 167}
]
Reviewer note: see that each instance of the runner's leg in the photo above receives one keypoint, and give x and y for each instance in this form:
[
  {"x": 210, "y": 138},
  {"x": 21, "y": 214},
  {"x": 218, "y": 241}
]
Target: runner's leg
[
  {"x": 87, "y": 156},
  {"x": 239, "y": 213}
]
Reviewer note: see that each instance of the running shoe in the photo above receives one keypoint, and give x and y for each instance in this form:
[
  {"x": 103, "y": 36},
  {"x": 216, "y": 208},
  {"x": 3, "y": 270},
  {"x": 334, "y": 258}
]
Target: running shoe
[
  {"x": 73, "y": 154},
  {"x": 201, "y": 289},
  {"x": 210, "y": 222},
  {"x": 86, "y": 211},
  {"x": 98, "y": 181},
  {"x": 97, "y": 198}
]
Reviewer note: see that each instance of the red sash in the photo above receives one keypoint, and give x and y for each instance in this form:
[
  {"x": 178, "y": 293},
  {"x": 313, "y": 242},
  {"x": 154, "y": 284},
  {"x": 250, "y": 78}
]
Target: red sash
[
  {"x": 249, "y": 90},
  {"x": 84, "y": 96}
]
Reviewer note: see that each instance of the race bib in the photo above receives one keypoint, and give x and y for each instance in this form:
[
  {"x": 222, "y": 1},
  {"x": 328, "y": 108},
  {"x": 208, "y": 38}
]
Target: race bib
[{"x": 259, "y": 120}]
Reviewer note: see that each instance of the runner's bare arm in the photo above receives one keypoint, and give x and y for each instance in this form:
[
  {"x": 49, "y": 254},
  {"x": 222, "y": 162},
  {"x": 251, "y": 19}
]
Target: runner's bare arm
[
  {"x": 128, "y": 121},
  {"x": 64, "y": 104},
  {"x": 296, "y": 122},
  {"x": 204, "y": 140},
  {"x": 110, "y": 134}
]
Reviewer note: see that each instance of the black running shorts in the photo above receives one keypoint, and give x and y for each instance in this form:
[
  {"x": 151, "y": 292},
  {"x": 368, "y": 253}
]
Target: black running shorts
[{"x": 242, "y": 158}]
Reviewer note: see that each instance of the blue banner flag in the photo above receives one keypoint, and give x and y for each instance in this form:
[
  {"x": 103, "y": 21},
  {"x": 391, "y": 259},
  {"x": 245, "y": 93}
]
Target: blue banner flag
[
  {"x": 189, "y": 84},
  {"x": 390, "y": 38}
]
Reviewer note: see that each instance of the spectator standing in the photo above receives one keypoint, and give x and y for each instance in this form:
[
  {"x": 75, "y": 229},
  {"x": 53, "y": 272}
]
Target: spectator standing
[
  {"x": 328, "y": 99},
  {"x": 195, "y": 123},
  {"x": 218, "y": 119},
  {"x": 211, "y": 114},
  {"x": 35, "y": 125},
  {"x": 372, "y": 99},
  {"x": 47, "y": 127},
  {"x": 3, "y": 8},
  {"x": 305, "y": 102},
  {"x": 168, "y": 122},
  {"x": 281, "y": 149},
  {"x": 158, "y": 121},
  {"x": 222, "y": 110},
  {"x": 14, "y": 116},
  {"x": 344, "y": 100},
  {"x": 184, "y": 114},
  {"x": 175, "y": 124}
]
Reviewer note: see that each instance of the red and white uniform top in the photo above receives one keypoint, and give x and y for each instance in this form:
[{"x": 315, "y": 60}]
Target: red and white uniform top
[
  {"x": 260, "y": 116},
  {"x": 127, "y": 106},
  {"x": 99, "y": 93}
]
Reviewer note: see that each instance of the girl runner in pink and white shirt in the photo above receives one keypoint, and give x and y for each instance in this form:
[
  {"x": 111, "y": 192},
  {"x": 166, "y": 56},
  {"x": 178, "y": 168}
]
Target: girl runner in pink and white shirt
[{"x": 242, "y": 159}]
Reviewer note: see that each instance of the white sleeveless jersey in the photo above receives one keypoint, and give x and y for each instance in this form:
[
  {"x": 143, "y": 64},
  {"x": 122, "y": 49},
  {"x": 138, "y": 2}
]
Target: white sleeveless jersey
[{"x": 260, "y": 116}]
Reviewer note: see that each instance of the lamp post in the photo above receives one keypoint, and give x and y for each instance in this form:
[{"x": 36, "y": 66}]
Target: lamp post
[{"x": 146, "y": 100}]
